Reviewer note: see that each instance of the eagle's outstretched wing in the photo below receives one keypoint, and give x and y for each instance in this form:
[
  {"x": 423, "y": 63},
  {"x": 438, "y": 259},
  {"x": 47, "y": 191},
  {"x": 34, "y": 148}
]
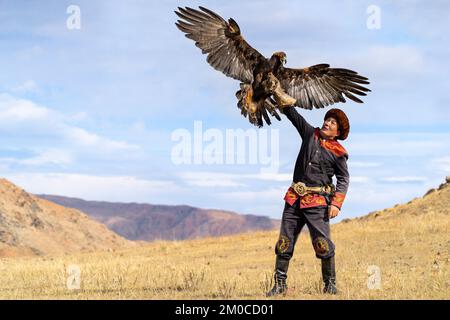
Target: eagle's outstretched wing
[
  {"x": 319, "y": 86},
  {"x": 221, "y": 40}
]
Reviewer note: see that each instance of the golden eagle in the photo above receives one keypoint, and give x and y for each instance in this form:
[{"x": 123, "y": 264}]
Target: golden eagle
[{"x": 265, "y": 83}]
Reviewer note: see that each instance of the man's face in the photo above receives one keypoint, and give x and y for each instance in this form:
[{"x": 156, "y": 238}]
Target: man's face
[{"x": 330, "y": 128}]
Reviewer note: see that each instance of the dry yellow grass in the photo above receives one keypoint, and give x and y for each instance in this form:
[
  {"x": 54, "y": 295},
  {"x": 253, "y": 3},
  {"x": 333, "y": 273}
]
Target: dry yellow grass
[{"x": 409, "y": 243}]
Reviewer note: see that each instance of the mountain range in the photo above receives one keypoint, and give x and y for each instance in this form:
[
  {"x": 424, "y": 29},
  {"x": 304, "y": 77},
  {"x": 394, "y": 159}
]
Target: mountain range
[{"x": 140, "y": 221}]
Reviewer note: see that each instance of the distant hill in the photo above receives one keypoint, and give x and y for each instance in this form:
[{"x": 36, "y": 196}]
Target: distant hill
[
  {"x": 148, "y": 222},
  {"x": 33, "y": 226}
]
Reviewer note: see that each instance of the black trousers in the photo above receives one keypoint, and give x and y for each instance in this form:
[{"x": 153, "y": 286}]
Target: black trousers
[{"x": 293, "y": 220}]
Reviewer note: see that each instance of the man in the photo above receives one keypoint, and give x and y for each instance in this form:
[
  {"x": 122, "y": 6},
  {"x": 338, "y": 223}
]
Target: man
[{"x": 312, "y": 199}]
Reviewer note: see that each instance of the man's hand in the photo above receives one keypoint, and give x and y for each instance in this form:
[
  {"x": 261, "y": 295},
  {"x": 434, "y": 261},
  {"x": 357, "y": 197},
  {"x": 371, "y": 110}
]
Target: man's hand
[{"x": 333, "y": 211}]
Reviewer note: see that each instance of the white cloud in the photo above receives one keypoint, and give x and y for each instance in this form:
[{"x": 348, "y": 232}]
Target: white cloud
[
  {"x": 51, "y": 156},
  {"x": 391, "y": 60},
  {"x": 359, "y": 179},
  {"x": 13, "y": 110},
  {"x": 397, "y": 144},
  {"x": 28, "y": 54},
  {"x": 210, "y": 179},
  {"x": 21, "y": 116},
  {"x": 404, "y": 179},
  {"x": 378, "y": 197},
  {"x": 271, "y": 194},
  {"x": 362, "y": 164},
  {"x": 92, "y": 187},
  {"x": 84, "y": 138},
  {"x": 442, "y": 164},
  {"x": 225, "y": 179},
  {"x": 271, "y": 176},
  {"x": 79, "y": 116},
  {"x": 27, "y": 86}
]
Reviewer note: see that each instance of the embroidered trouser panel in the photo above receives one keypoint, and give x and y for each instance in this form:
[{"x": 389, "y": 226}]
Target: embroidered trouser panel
[{"x": 292, "y": 222}]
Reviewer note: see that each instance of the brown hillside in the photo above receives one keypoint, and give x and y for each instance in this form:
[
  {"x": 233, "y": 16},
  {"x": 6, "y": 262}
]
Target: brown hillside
[{"x": 33, "y": 226}]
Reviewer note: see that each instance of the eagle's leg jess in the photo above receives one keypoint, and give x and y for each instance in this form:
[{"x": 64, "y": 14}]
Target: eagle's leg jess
[{"x": 272, "y": 85}]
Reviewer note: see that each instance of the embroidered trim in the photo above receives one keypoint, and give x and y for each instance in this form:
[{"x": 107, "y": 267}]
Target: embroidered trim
[
  {"x": 307, "y": 201},
  {"x": 321, "y": 246},
  {"x": 338, "y": 199},
  {"x": 312, "y": 200},
  {"x": 283, "y": 244},
  {"x": 291, "y": 196},
  {"x": 331, "y": 145}
]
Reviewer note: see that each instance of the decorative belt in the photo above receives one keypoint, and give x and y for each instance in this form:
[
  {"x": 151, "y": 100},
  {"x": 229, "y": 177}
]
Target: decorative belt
[{"x": 301, "y": 189}]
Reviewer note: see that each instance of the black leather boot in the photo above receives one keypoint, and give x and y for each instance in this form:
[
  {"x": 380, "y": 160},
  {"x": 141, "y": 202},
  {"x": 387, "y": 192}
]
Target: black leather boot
[
  {"x": 279, "y": 278},
  {"x": 329, "y": 276}
]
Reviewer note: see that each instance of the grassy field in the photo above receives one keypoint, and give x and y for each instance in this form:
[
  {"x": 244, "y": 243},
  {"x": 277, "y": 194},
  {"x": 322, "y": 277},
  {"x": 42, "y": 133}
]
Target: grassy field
[{"x": 408, "y": 244}]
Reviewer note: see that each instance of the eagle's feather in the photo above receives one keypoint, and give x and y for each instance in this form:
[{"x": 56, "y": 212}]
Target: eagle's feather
[
  {"x": 319, "y": 86},
  {"x": 222, "y": 41}
]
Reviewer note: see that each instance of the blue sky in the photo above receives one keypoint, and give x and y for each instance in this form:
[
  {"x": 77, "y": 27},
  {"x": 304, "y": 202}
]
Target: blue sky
[{"x": 91, "y": 112}]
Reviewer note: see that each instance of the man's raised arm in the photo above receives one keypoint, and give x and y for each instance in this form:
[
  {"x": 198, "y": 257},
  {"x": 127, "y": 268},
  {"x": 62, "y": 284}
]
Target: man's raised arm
[{"x": 303, "y": 127}]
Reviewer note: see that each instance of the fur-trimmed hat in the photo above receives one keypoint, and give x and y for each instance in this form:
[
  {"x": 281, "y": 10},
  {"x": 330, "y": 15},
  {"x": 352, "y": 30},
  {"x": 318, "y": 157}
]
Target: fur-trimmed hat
[{"x": 341, "y": 118}]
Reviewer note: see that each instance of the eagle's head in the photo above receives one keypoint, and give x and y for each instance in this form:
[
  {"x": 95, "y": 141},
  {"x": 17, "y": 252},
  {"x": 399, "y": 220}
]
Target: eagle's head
[{"x": 280, "y": 56}]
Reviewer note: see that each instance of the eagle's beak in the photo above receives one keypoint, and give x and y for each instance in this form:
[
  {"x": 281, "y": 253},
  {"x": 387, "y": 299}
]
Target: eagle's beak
[{"x": 284, "y": 60}]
